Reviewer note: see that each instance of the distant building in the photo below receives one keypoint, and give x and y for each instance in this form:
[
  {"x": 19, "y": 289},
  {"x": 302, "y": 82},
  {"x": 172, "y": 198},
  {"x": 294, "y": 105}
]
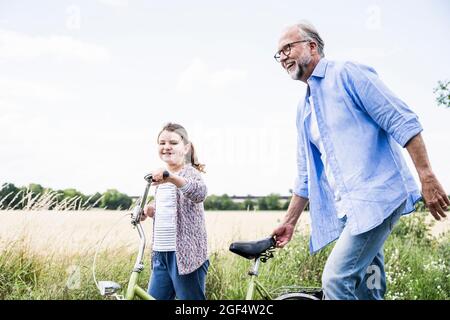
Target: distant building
[
  {"x": 254, "y": 198},
  {"x": 237, "y": 198}
]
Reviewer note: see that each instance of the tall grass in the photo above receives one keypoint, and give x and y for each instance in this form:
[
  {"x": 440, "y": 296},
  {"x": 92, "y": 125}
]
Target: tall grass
[
  {"x": 25, "y": 275},
  {"x": 416, "y": 268},
  {"x": 28, "y": 200}
]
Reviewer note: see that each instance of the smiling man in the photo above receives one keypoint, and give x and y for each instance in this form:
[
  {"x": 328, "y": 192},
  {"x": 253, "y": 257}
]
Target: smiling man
[{"x": 350, "y": 128}]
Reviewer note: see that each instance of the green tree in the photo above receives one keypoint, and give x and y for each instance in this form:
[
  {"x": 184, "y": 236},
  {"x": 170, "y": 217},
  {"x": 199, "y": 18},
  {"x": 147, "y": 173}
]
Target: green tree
[
  {"x": 232, "y": 205},
  {"x": 211, "y": 202},
  {"x": 8, "y": 192},
  {"x": 113, "y": 199},
  {"x": 286, "y": 204},
  {"x": 226, "y": 203},
  {"x": 270, "y": 202},
  {"x": 262, "y": 204},
  {"x": 71, "y": 193},
  {"x": 273, "y": 201},
  {"x": 223, "y": 202},
  {"x": 248, "y": 204},
  {"x": 36, "y": 188},
  {"x": 93, "y": 200}
]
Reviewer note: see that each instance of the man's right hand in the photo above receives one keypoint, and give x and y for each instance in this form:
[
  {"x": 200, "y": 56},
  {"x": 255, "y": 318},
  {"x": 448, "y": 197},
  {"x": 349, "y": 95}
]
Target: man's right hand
[
  {"x": 283, "y": 234},
  {"x": 149, "y": 211}
]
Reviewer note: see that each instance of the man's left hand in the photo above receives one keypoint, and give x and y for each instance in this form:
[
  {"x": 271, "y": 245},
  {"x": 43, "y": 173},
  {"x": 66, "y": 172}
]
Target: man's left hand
[{"x": 435, "y": 197}]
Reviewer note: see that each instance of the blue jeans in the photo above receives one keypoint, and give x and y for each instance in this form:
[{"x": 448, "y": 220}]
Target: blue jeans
[
  {"x": 355, "y": 267},
  {"x": 166, "y": 283}
]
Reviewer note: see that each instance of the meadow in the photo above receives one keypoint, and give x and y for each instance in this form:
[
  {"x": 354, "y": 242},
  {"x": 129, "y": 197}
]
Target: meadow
[{"x": 49, "y": 254}]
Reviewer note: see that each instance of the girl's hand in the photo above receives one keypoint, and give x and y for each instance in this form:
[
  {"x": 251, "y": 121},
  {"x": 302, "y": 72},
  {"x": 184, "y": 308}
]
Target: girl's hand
[
  {"x": 158, "y": 178},
  {"x": 157, "y": 175},
  {"x": 149, "y": 211}
]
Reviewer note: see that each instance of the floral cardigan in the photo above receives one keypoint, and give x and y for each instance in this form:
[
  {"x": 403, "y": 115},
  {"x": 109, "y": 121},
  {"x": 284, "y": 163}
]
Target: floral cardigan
[{"x": 191, "y": 239}]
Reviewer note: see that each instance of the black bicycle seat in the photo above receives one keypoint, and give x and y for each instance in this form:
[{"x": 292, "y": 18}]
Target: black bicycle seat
[{"x": 252, "y": 249}]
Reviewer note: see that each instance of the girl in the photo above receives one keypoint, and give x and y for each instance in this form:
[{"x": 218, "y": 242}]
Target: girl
[{"x": 179, "y": 258}]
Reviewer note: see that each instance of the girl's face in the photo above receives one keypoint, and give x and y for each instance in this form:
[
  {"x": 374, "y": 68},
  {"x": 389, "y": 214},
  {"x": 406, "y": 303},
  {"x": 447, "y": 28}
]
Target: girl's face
[{"x": 171, "y": 148}]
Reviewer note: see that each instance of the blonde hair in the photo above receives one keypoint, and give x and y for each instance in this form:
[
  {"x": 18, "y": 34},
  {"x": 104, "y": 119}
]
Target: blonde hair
[{"x": 191, "y": 156}]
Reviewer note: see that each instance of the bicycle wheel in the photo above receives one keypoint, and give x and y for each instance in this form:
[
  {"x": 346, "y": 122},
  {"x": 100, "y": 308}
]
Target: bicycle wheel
[{"x": 298, "y": 296}]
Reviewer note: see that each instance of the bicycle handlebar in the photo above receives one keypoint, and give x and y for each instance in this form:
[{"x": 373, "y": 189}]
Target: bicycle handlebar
[
  {"x": 136, "y": 220},
  {"x": 140, "y": 204},
  {"x": 149, "y": 177},
  {"x": 109, "y": 287}
]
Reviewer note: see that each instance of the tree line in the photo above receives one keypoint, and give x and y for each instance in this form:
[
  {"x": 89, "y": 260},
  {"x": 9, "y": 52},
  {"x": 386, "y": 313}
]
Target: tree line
[
  {"x": 34, "y": 197},
  {"x": 272, "y": 201}
]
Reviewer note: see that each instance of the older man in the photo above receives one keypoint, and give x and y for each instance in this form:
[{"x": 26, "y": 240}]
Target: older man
[{"x": 350, "y": 128}]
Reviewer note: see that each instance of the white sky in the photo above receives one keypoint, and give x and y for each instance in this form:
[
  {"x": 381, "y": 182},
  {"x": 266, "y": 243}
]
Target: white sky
[{"x": 85, "y": 86}]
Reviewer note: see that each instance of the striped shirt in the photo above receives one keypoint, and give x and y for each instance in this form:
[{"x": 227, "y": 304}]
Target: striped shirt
[{"x": 165, "y": 218}]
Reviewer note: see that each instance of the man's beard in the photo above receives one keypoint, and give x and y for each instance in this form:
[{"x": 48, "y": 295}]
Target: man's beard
[{"x": 300, "y": 67}]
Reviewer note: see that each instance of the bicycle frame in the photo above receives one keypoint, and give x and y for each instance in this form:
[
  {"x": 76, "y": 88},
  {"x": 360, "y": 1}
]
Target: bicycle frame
[
  {"x": 133, "y": 289},
  {"x": 255, "y": 284},
  {"x": 299, "y": 293}
]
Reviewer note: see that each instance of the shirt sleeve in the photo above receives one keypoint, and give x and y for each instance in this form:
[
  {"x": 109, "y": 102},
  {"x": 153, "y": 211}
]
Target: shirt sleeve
[
  {"x": 195, "y": 188},
  {"x": 383, "y": 106},
  {"x": 185, "y": 187}
]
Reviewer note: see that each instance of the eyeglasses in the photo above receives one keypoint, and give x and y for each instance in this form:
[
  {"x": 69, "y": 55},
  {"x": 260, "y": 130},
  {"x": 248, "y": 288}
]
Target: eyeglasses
[{"x": 286, "y": 50}]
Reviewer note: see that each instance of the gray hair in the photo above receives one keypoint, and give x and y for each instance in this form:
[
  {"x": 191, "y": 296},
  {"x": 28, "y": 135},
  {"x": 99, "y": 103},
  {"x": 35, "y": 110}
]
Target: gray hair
[{"x": 309, "y": 32}]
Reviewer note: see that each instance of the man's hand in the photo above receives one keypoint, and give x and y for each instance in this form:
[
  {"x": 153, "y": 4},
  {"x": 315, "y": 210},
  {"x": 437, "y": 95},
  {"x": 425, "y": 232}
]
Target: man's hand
[
  {"x": 435, "y": 197},
  {"x": 283, "y": 234},
  {"x": 433, "y": 194}
]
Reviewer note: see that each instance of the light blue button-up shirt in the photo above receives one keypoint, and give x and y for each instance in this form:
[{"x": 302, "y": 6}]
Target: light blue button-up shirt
[{"x": 362, "y": 125}]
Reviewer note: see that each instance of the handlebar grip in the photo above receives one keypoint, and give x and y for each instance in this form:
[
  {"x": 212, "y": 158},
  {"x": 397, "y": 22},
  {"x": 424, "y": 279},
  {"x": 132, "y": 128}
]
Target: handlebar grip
[{"x": 149, "y": 177}]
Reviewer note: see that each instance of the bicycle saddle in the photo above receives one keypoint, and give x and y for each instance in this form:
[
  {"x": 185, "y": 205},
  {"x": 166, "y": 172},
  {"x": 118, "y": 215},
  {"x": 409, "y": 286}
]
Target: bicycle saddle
[{"x": 252, "y": 249}]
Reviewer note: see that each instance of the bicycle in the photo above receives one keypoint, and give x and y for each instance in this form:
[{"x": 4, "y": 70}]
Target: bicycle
[
  {"x": 110, "y": 288},
  {"x": 261, "y": 251}
]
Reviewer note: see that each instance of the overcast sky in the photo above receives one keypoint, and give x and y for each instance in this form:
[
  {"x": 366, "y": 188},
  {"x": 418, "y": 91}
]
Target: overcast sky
[{"x": 85, "y": 86}]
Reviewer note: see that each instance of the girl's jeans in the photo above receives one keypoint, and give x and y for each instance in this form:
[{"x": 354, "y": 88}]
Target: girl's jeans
[
  {"x": 166, "y": 283},
  {"x": 355, "y": 267}
]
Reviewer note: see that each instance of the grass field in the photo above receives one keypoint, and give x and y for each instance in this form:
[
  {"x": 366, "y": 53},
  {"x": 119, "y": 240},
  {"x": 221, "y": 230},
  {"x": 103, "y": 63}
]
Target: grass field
[{"x": 48, "y": 255}]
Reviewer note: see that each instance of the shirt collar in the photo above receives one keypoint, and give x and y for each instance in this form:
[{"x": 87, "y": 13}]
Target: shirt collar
[{"x": 321, "y": 67}]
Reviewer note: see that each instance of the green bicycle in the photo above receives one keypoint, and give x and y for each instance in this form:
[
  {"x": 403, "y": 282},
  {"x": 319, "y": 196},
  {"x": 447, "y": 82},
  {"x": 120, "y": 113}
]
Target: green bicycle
[
  {"x": 111, "y": 288},
  {"x": 261, "y": 251}
]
